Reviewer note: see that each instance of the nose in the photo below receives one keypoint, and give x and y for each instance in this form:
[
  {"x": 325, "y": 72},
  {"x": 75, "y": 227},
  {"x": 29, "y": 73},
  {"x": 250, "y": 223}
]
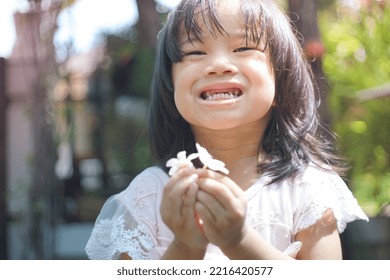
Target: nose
[{"x": 220, "y": 65}]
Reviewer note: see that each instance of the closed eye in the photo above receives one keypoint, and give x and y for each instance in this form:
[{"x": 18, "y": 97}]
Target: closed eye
[
  {"x": 243, "y": 49},
  {"x": 194, "y": 53}
]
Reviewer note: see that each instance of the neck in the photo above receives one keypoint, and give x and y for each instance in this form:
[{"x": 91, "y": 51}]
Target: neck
[{"x": 238, "y": 148}]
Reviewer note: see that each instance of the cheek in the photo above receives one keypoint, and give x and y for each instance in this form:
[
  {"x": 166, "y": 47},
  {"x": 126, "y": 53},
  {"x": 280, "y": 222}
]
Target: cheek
[
  {"x": 267, "y": 85},
  {"x": 178, "y": 81},
  {"x": 183, "y": 107},
  {"x": 180, "y": 100},
  {"x": 182, "y": 88}
]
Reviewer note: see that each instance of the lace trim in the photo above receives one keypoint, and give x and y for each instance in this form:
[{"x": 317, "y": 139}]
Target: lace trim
[
  {"x": 313, "y": 212},
  {"x": 110, "y": 238},
  {"x": 333, "y": 197}
]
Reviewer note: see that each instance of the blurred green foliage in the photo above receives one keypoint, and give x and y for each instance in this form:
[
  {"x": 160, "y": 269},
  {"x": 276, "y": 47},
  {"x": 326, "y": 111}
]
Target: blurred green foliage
[
  {"x": 357, "y": 43},
  {"x": 127, "y": 146}
]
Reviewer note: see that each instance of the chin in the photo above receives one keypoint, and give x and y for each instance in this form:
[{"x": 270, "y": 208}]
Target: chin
[{"x": 220, "y": 125}]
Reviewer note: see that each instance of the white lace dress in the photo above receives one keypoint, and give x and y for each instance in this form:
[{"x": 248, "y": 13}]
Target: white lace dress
[{"x": 130, "y": 221}]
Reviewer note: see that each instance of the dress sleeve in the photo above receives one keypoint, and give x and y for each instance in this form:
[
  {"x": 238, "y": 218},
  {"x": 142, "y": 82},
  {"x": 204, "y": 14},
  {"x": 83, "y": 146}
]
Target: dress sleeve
[
  {"x": 127, "y": 222},
  {"x": 317, "y": 191}
]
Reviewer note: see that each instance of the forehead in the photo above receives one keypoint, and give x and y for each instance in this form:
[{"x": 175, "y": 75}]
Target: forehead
[{"x": 215, "y": 18}]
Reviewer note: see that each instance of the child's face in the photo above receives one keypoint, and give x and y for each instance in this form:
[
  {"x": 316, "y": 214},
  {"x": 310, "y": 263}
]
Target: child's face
[{"x": 224, "y": 81}]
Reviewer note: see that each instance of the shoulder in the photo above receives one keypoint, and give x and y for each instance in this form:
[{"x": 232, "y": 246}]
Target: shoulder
[
  {"x": 152, "y": 174},
  {"x": 309, "y": 180},
  {"x": 148, "y": 183},
  {"x": 314, "y": 175},
  {"x": 315, "y": 184},
  {"x": 318, "y": 189}
]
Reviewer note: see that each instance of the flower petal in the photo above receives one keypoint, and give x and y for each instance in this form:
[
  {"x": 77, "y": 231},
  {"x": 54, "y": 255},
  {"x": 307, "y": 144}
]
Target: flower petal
[
  {"x": 176, "y": 163},
  {"x": 171, "y": 162},
  {"x": 181, "y": 156},
  {"x": 209, "y": 161},
  {"x": 192, "y": 156},
  {"x": 173, "y": 170}
]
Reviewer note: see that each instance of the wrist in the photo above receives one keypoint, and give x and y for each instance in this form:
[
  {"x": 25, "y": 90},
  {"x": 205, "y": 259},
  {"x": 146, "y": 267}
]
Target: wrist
[
  {"x": 189, "y": 251},
  {"x": 237, "y": 244}
]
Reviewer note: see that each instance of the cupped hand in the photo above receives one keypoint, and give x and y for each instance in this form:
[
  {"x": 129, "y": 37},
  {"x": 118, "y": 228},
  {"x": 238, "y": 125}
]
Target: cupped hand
[
  {"x": 221, "y": 205},
  {"x": 178, "y": 209}
]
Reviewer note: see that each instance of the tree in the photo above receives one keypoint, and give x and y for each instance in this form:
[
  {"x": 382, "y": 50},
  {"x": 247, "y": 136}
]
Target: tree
[
  {"x": 148, "y": 24},
  {"x": 34, "y": 52}
]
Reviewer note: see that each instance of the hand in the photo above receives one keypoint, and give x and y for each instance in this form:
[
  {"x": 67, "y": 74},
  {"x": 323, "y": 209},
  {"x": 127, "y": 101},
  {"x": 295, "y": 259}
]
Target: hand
[
  {"x": 178, "y": 210},
  {"x": 221, "y": 205}
]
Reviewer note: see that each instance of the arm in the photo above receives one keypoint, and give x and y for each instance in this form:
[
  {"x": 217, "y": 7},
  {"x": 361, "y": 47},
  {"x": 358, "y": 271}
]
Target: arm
[
  {"x": 180, "y": 251},
  {"x": 321, "y": 240},
  {"x": 125, "y": 256},
  {"x": 222, "y": 206},
  {"x": 253, "y": 247}
]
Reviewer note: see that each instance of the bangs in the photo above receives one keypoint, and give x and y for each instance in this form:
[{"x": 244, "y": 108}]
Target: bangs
[{"x": 190, "y": 20}]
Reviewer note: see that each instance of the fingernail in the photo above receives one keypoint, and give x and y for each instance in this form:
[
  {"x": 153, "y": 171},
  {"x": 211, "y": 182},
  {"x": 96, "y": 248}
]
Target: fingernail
[{"x": 194, "y": 177}]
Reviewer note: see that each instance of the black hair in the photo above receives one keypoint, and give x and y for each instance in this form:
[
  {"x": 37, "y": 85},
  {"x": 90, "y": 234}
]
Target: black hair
[{"x": 291, "y": 139}]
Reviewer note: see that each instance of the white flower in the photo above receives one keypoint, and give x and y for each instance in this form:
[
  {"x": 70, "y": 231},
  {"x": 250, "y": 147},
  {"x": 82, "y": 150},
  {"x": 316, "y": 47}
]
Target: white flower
[
  {"x": 181, "y": 160},
  {"x": 209, "y": 161}
]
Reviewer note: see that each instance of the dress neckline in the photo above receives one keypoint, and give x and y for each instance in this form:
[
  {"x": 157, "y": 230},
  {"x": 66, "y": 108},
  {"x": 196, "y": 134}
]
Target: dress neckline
[{"x": 256, "y": 187}]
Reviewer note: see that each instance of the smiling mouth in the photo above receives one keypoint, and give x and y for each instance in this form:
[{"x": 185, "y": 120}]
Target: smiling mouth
[{"x": 218, "y": 95}]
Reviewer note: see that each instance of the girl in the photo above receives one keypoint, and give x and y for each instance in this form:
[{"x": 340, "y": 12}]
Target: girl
[{"x": 230, "y": 75}]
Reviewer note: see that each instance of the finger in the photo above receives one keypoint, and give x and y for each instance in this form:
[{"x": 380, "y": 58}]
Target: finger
[
  {"x": 220, "y": 201},
  {"x": 217, "y": 190},
  {"x": 182, "y": 185},
  {"x": 210, "y": 203},
  {"x": 205, "y": 216},
  {"x": 190, "y": 195},
  {"x": 175, "y": 180},
  {"x": 189, "y": 211},
  {"x": 217, "y": 215},
  {"x": 229, "y": 183},
  {"x": 188, "y": 208},
  {"x": 177, "y": 195},
  {"x": 173, "y": 193},
  {"x": 182, "y": 172}
]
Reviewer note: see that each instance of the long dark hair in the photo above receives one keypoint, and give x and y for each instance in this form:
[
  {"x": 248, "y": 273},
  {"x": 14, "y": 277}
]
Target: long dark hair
[{"x": 291, "y": 138}]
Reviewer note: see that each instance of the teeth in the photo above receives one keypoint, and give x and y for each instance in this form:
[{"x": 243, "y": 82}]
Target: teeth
[
  {"x": 212, "y": 95},
  {"x": 218, "y": 96}
]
